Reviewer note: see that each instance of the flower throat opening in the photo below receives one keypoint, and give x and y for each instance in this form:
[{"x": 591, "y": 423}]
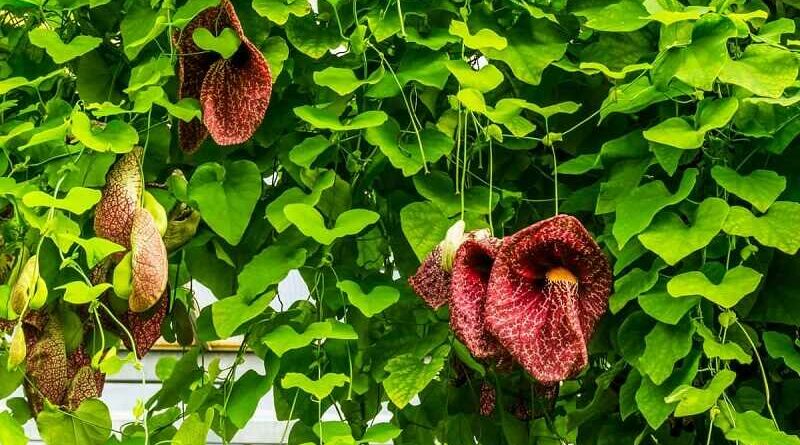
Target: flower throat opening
[{"x": 561, "y": 274}]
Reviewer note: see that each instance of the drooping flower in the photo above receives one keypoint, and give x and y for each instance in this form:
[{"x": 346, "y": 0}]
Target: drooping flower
[
  {"x": 233, "y": 93},
  {"x": 432, "y": 280},
  {"x": 122, "y": 194},
  {"x": 470, "y": 278},
  {"x": 549, "y": 285},
  {"x": 487, "y": 400},
  {"x": 145, "y": 327}
]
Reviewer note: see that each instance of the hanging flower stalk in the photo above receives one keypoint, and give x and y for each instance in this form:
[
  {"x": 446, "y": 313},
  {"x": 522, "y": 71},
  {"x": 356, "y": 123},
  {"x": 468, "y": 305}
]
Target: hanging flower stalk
[
  {"x": 549, "y": 286},
  {"x": 234, "y": 93}
]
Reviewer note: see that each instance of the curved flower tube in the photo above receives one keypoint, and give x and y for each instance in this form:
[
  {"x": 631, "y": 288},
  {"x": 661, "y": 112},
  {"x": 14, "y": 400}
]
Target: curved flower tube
[
  {"x": 549, "y": 285},
  {"x": 470, "y": 278},
  {"x": 233, "y": 93}
]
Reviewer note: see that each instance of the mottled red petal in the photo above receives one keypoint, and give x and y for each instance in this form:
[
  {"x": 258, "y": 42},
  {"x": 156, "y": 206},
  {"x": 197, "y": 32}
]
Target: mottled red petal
[
  {"x": 148, "y": 262},
  {"x": 85, "y": 382},
  {"x": 145, "y": 327},
  {"x": 47, "y": 367},
  {"x": 235, "y": 95},
  {"x": 470, "y": 278},
  {"x": 114, "y": 213},
  {"x": 431, "y": 282},
  {"x": 546, "y": 325}
]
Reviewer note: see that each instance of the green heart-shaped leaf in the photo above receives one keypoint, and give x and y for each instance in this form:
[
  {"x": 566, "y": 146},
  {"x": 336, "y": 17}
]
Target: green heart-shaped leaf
[
  {"x": 782, "y": 347},
  {"x": 225, "y": 44},
  {"x": 736, "y": 284},
  {"x": 777, "y": 228},
  {"x": 672, "y": 240},
  {"x": 328, "y": 118},
  {"x": 377, "y": 300},
  {"x": 760, "y": 188},
  {"x": 62, "y": 52},
  {"x": 226, "y": 196},
  {"x": 284, "y": 338},
  {"x": 78, "y": 200},
  {"x": 693, "y": 400},
  {"x": 229, "y": 313},
  {"x": 318, "y": 388},
  {"x": 310, "y": 222},
  {"x": 116, "y": 136}
]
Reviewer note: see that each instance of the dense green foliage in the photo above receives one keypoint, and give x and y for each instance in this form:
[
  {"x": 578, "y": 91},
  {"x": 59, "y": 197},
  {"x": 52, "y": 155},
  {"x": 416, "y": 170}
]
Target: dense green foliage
[{"x": 666, "y": 126}]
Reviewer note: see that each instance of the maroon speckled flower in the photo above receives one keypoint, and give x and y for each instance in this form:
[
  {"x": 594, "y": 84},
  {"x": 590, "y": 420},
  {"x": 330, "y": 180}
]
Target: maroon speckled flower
[
  {"x": 549, "y": 285},
  {"x": 432, "y": 282},
  {"x": 471, "y": 268},
  {"x": 145, "y": 327},
  {"x": 234, "y": 93}
]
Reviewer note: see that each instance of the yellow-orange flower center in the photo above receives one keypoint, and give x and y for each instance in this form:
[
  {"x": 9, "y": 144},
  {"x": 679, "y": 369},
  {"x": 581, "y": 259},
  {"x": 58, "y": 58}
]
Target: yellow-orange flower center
[{"x": 561, "y": 274}]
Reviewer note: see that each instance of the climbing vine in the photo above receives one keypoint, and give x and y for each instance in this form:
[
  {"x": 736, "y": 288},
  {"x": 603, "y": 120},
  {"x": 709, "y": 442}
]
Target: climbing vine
[{"x": 629, "y": 166}]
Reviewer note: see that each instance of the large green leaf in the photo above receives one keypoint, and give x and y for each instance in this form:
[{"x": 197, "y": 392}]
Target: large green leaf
[
  {"x": 344, "y": 81},
  {"x": 636, "y": 210},
  {"x": 407, "y": 152},
  {"x": 752, "y": 429},
  {"x": 484, "y": 79},
  {"x": 116, "y": 136},
  {"x": 328, "y": 118},
  {"x": 532, "y": 46},
  {"x": 11, "y": 432},
  {"x": 78, "y": 200},
  {"x": 226, "y": 195},
  {"x": 735, "y": 285},
  {"x": 612, "y": 15},
  {"x": 244, "y": 397},
  {"x": 409, "y": 374},
  {"x": 760, "y": 188},
  {"x": 90, "y": 424},
  {"x": 672, "y": 240},
  {"x": 269, "y": 267},
  {"x": 763, "y": 69},
  {"x": 309, "y": 221},
  {"x": 664, "y": 346},
  {"x": 424, "y": 226},
  {"x": 781, "y": 346},
  {"x": 278, "y": 11},
  {"x": 713, "y": 348},
  {"x": 776, "y": 228},
  {"x": 62, "y": 52},
  {"x": 677, "y": 132},
  {"x": 650, "y": 397},
  {"x": 141, "y": 25},
  {"x": 484, "y": 38}
]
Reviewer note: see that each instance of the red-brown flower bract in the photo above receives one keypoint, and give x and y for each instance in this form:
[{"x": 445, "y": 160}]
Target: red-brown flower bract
[
  {"x": 114, "y": 213},
  {"x": 470, "y": 277},
  {"x": 549, "y": 285},
  {"x": 234, "y": 93},
  {"x": 432, "y": 282},
  {"x": 145, "y": 327}
]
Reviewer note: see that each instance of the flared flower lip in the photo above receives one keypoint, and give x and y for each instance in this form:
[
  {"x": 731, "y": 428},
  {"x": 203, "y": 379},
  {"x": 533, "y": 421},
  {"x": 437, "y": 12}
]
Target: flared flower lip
[{"x": 548, "y": 338}]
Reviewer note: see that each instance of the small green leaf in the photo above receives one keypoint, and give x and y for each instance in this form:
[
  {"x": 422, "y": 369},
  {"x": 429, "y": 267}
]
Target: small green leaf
[
  {"x": 693, "y": 400},
  {"x": 406, "y": 152},
  {"x": 735, "y": 285},
  {"x": 269, "y": 267},
  {"x": 776, "y": 228},
  {"x": 295, "y": 195},
  {"x": 650, "y": 397},
  {"x": 278, "y": 11},
  {"x": 664, "y": 346},
  {"x": 11, "y": 432},
  {"x": 226, "y": 196},
  {"x": 141, "y": 25},
  {"x": 376, "y": 301},
  {"x": 633, "y": 284},
  {"x": 612, "y": 16},
  {"x": 306, "y": 152},
  {"x": 532, "y": 46},
  {"x": 78, "y": 200},
  {"x": 677, "y": 132},
  {"x": 380, "y": 433},
  {"x": 310, "y": 222},
  {"x": 189, "y": 10},
  {"x": 225, "y": 44},
  {"x": 485, "y": 38},
  {"x": 782, "y": 347},
  {"x": 229, "y": 313},
  {"x": 668, "y": 237},
  {"x": 713, "y": 348},
  {"x": 193, "y": 430},
  {"x": 484, "y": 79},
  {"x": 284, "y": 338},
  {"x": 115, "y": 136},
  {"x": 244, "y": 397},
  {"x": 97, "y": 249},
  {"x": 78, "y": 292},
  {"x": 62, "y": 52},
  {"x": 318, "y": 388},
  {"x": 328, "y": 118},
  {"x": 409, "y": 374},
  {"x": 664, "y": 307},
  {"x": 344, "y": 81}
]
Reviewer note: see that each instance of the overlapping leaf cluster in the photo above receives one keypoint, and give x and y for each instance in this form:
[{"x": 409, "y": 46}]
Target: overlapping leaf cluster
[{"x": 666, "y": 126}]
